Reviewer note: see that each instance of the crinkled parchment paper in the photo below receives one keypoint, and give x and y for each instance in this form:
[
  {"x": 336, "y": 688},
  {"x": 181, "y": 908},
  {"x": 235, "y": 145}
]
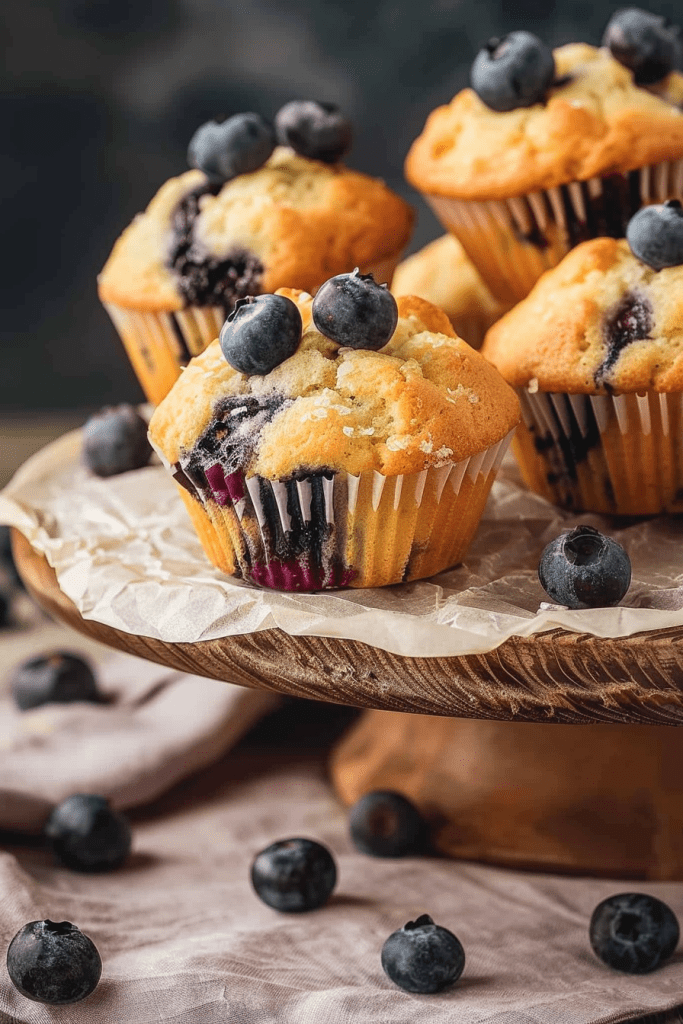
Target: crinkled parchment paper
[{"x": 125, "y": 553}]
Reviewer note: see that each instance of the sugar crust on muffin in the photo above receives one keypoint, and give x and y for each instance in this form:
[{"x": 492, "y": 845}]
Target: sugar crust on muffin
[
  {"x": 595, "y": 122},
  {"x": 562, "y": 337},
  {"x": 304, "y": 220},
  {"x": 426, "y": 399}
]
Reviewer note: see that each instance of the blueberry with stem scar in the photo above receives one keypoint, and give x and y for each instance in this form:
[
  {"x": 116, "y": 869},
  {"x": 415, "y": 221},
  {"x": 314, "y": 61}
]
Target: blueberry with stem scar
[
  {"x": 585, "y": 569},
  {"x": 260, "y": 333},
  {"x": 354, "y": 311},
  {"x": 423, "y": 957},
  {"x": 53, "y": 962},
  {"x": 633, "y": 932},
  {"x": 512, "y": 72}
]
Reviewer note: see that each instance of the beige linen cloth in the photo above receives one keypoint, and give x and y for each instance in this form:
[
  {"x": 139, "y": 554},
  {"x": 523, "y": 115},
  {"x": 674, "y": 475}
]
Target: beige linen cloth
[{"x": 184, "y": 939}]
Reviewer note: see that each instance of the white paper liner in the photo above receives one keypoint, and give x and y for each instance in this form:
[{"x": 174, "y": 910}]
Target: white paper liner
[
  {"x": 645, "y": 477},
  {"x": 493, "y": 232},
  {"x": 311, "y": 569},
  {"x": 127, "y": 555}
]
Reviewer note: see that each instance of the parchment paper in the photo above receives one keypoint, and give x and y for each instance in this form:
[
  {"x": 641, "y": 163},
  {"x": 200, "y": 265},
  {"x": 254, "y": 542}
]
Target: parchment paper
[{"x": 126, "y": 554}]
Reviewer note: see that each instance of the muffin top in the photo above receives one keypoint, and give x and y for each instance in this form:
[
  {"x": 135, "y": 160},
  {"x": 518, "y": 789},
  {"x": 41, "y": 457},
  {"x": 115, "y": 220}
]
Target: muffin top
[
  {"x": 442, "y": 273},
  {"x": 594, "y": 121},
  {"x": 294, "y": 221},
  {"x": 426, "y": 399},
  {"x": 600, "y": 322}
]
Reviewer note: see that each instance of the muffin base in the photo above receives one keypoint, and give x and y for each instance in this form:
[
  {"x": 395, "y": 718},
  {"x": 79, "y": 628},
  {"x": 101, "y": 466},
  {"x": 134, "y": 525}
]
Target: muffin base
[
  {"x": 512, "y": 242},
  {"x": 159, "y": 344},
  {"x": 340, "y": 530},
  {"x": 611, "y": 454}
]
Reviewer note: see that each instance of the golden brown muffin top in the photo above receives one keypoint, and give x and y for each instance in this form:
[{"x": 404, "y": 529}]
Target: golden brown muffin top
[
  {"x": 597, "y": 122},
  {"x": 601, "y": 321},
  {"x": 303, "y": 219},
  {"x": 426, "y": 399},
  {"x": 442, "y": 273}
]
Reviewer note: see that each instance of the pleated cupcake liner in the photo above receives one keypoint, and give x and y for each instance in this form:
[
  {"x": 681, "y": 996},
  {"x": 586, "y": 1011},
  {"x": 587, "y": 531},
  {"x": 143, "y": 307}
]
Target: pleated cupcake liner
[
  {"x": 612, "y": 454},
  {"x": 472, "y": 327},
  {"x": 338, "y": 530},
  {"x": 512, "y": 242},
  {"x": 159, "y": 344}
]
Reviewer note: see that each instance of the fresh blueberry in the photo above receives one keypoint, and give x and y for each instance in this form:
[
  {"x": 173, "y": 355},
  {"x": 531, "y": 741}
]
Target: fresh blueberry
[
  {"x": 515, "y": 71},
  {"x": 646, "y": 43},
  {"x": 87, "y": 834},
  {"x": 293, "y": 875},
  {"x": 57, "y": 678},
  {"x": 53, "y": 962},
  {"x": 260, "y": 333},
  {"x": 633, "y": 932},
  {"x": 224, "y": 149},
  {"x": 355, "y": 311},
  {"x": 318, "y": 131},
  {"x": 386, "y": 824},
  {"x": 585, "y": 569},
  {"x": 423, "y": 957},
  {"x": 115, "y": 441},
  {"x": 655, "y": 235}
]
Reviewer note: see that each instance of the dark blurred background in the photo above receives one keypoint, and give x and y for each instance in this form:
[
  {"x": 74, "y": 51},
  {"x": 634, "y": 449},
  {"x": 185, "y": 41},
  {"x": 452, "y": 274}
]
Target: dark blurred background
[{"x": 99, "y": 100}]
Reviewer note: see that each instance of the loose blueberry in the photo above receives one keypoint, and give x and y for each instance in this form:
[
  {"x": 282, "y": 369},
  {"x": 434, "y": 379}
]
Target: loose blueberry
[
  {"x": 386, "y": 824},
  {"x": 53, "y": 962},
  {"x": 585, "y": 569},
  {"x": 354, "y": 311},
  {"x": 57, "y": 678},
  {"x": 260, "y": 333},
  {"x": 423, "y": 957},
  {"x": 224, "y": 149},
  {"x": 87, "y": 834},
  {"x": 294, "y": 875},
  {"x": 115, "y": 441},
  {"x": 633, "y": 932},
  {"x": 655, "y": 235},
  {"x": 515, "y": 71},
  {"x": 646, "y": 43},
  {"x": 318, "y": 131}
]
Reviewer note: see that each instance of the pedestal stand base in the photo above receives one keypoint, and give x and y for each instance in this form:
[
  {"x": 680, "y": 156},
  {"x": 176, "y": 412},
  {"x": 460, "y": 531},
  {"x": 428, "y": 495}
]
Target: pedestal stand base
[{"x": 593, "y": 799}]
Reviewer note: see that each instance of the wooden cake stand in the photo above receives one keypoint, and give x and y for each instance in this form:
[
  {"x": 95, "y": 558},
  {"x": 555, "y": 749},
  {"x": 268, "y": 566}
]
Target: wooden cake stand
[{"x": 550, "y": 752}]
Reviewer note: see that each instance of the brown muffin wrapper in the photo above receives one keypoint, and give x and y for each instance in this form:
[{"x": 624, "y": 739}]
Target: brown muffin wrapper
[
  {"x": 512, "y": 242},
  {"x": 343, "y": 531},
  {"x": 612, "y": 454},
  {"x": 472, "y": 328},
  {"x": 160, "y": 344}
]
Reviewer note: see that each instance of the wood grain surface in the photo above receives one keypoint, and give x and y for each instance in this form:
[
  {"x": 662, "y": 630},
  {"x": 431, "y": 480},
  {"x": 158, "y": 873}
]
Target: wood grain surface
[{"x": 552, "y": 677}]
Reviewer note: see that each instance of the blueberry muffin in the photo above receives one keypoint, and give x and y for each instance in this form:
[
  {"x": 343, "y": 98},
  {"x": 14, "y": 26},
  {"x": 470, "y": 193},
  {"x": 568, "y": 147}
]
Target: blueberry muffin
[
  {"x": 596, "y": 354},
  {"x": 359, "y": 457},
  {"x": 442, "y": 273},
  {"x": 548, "y": 149},
  {"x": 252, "y": 216}
]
